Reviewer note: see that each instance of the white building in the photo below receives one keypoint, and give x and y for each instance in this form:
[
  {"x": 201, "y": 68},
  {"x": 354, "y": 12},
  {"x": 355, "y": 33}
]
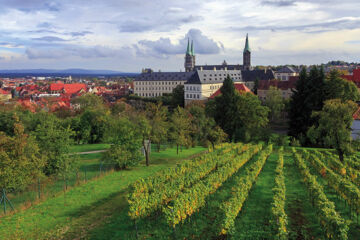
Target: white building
[{"x": 285, "y": 73}]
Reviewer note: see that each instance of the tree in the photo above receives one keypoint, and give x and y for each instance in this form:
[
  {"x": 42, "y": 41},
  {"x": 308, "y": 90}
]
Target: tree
[
  {"x": 177, "y": 97},
  {"x": 54, "y": 141},
  {"x": 126, "y": 143},
  {"x": 92, "y": 125},
  {"x": 251, "y": 117},
  {"x": 274, "y": 102},
  {"x": 216, "y": 135},
  {"x": 224, "y": 109},
  {"x": 334, "y": 127},
  {"x": 180, "y": 128},
  {"x": 89, "y": 101},
  {"x": 336, "y": 87},
  {"x": 20, "y": 159},
  {"x": 199, "y": 122},
  {"x": 256, "y": 86},
  {"x": 307, "y": 97},
  {"x": 157, "y": 116}
]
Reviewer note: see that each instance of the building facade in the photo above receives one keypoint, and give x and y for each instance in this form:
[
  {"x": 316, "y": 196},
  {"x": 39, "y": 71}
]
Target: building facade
[{"x": 285, "y": 73}]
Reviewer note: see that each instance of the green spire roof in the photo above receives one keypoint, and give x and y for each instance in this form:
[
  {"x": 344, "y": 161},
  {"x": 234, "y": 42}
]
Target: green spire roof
[
  {"x": 247, "y": 47},
  {"x": 188, "y": 52},
  {"x": 192, "y": 48}
]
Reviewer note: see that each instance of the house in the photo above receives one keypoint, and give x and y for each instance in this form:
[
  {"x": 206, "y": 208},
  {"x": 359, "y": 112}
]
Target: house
[
  {"x": 239, "y": 87},
  {"x": 285, "y": 87},
  {"x": 355, "y": 128},
  {"x": 285, "y": 73},
  {"x": 5, "y": 95},
  {"x": 354, "y": 77}
]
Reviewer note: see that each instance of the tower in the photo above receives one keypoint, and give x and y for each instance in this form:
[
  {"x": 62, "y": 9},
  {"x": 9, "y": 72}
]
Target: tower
[
  {"x": 189, "y": 57},
  {"x": 247, "y": 55}
]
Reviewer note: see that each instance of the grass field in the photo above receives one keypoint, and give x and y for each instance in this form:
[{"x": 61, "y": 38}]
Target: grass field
[
  {"x": 84, "y": 205},
  {"x": 99, "y": 208},
  {"x": 89, "y": 147}
]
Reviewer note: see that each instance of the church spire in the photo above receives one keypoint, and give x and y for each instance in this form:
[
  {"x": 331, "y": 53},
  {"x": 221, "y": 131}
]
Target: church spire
[
  {"x": 192, "y": 48},
  {"x": 247, "y": 47},
  {"x": 188, "y": 51}
]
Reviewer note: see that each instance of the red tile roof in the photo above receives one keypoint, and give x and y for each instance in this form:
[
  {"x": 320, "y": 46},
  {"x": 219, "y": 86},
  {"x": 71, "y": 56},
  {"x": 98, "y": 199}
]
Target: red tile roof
[
  {"x": 2, "y": 91},
  {"x": 283, "y": 85},
  {"x": 68, "y": 88},
  {"x": 241, "y": 88}
]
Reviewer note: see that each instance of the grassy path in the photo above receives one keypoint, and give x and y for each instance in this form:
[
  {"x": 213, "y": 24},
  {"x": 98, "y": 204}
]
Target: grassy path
[
  {"x": 303, "y": 223},
  {"x": 82, "y": 207},
  {"x": 253, "y": 221}
]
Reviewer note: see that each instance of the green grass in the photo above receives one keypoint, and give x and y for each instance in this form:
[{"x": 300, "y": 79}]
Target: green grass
[
  {"x": 84, "y": 206},
  {"x": 253, "y": 221},
  {"x": 302, "y": 220},
  {"x": 89, "y": 147}
]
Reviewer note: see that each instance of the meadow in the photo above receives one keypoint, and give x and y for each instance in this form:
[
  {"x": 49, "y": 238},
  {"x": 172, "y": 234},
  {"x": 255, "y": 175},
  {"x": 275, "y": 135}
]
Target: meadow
[{"x": 239, "y": 191}]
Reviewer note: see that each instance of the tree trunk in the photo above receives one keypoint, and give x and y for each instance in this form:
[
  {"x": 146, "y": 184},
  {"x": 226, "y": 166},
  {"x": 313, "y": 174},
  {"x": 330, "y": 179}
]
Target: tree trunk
[
  {"x": 177, "y": 149},
  {"x": 158, "y": 147},
  {"x": 213, "y": 145},
  {"x": 341, "y": 156},
  {"x": 146, "y": 149}
]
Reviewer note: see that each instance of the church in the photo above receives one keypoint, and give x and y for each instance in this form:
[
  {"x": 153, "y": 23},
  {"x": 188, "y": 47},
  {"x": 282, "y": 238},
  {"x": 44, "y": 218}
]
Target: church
[{"x": 200, "y": 81}]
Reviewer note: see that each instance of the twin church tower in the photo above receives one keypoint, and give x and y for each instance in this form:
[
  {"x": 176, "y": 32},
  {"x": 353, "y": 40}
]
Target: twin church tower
[{"x": 190, "y": 58}]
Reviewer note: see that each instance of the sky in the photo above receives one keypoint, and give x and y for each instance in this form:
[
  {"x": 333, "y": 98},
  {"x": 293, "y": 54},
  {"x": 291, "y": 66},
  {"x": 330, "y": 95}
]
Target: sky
[{"x": 128, "y": 35}]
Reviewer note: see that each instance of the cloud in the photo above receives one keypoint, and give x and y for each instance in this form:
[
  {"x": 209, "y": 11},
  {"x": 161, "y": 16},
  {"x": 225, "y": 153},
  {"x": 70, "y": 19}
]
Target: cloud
[
  {"x": 330, "y": 25},
  {"x": 163, "y": 47},
  {"x": 10, "y": 45},
  {"x": 353, "y": 42},
  {"x": 80, "y": 34},
  {"x": 281, "y": 3},
  {"x": 50, "y": 39},
  {"x": 163, "y": 23},
  {"x": 77, "y": 51}
]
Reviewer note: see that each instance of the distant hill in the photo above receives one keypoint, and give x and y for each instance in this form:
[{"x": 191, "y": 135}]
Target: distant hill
[{"x": 62, "y": 73}]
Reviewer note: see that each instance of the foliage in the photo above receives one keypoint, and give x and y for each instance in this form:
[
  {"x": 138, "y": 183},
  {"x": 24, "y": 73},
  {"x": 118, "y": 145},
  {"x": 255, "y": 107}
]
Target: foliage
[
  {"x": 240, "y": 116},
  {"x": 180, "y": 127},
  {"x": 231, "y": 208},
  {"x": 20, "y": 159},
  {"x": 336, "y": 87},
  {"x": 148, "y": 195},
  {"x": 191, "y": 199},
  {"x": 279, "y": 218},
  {"x": 54, "y": 141},
  {"x": 334, "y": 129},
  {"x": 177, "y": 98},
  {"x": 89, "y": 101},
  {"x": 307, "y": 97},
  {"x": 126, "y": 144},
  {"x": 275, "y": 103},
  {"x": 334, "y": 225},
  {"x": 157, "y": 116}
]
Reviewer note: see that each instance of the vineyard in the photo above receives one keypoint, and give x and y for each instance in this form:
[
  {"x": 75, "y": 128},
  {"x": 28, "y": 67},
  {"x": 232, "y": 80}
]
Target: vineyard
[{"x": 249, "y": 191}]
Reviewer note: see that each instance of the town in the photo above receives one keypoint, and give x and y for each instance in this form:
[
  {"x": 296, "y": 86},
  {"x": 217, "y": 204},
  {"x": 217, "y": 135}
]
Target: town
[{"x": 174, "y": 120}]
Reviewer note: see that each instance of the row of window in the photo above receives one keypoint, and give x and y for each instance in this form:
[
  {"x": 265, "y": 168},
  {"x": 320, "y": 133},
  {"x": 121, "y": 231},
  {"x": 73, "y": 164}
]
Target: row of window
[
  {"x": 232, "y": 74},
  {"x": 153, "y": 88},
  {"x": 194, "y": 96},
  {"x": 156, "y": 83},
  {"x": 192, "y": 88},
  {"x": 148, "y": 94},
  {"x": 215, "y": 87}
]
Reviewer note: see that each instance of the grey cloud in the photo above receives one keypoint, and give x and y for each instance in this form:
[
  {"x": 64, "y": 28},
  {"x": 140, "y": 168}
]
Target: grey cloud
[
  {"x": 163, "y": 23},
  {"x": 80, "y": 34},
  {"x": 9, "y": 44},
  {"x": 281, "y": 3},
  {"x": 45, "y": 25},
  {"x": 76, "y": 51},
  {"x": 50, "y": 39},
  {"x": 163, "y": 47},
  {"x": 332, "y": 25}
]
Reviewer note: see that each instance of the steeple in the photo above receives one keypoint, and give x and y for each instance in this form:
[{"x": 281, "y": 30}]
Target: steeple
[
  {"x": 247, "y": 47},
  {"x": 188, "y": 51},
  {"x": 192, "y": 48},
  {"x": 247, "y": 55}
]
